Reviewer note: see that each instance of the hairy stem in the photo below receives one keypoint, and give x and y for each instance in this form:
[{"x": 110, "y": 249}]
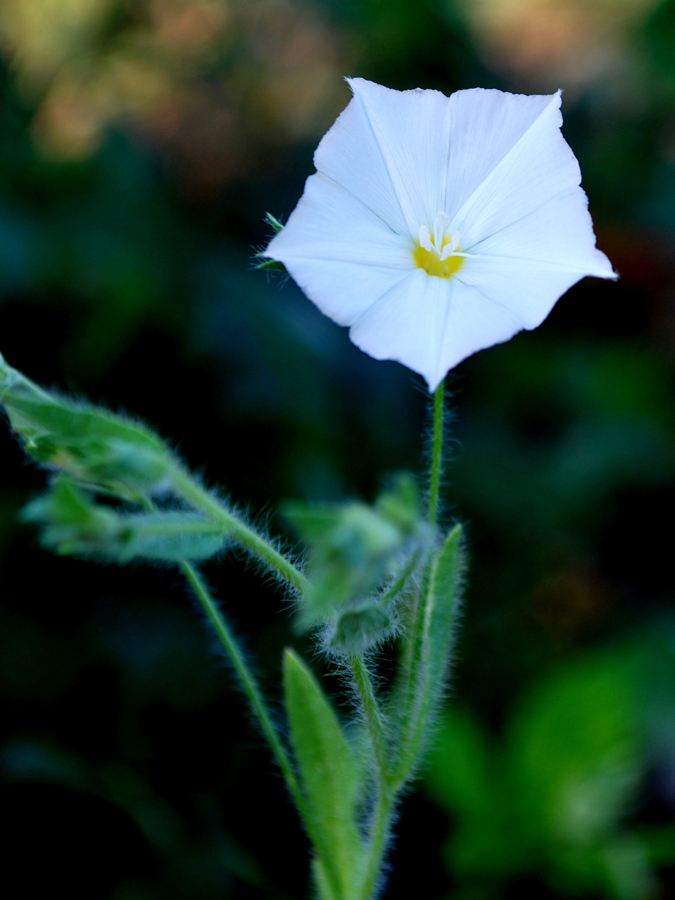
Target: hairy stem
[
  {"x": 436, "y": 473},
  {"x": 186, "y": 487},
  {"x": 379, "y": 837},
  {"x": 412, "y": 662},
  {"x": 248, "y": 682},
  {"x": 373, "y": 715}
]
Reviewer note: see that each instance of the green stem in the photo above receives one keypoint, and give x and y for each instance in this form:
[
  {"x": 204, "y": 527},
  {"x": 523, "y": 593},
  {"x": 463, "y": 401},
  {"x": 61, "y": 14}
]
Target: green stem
[
  {"x": 248, "y": 682},
  {"x": 413, "y": 658},
  {"x": 436, "y": 457},
  {"x": 197, "y": 496},
  {"x": 378, "y": 843},
  {"x": 373, "y": 715}
]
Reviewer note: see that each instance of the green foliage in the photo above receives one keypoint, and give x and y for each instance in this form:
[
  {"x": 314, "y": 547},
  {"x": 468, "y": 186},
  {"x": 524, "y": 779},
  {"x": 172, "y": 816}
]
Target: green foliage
[
  {"x": 329, "y": 777},
  {"x": 97, "y": 452},
  {"x": 552, "y": 799},
  {"x": 353, "y": 549},
  {"x": 427, "y": 646},
  {"x": 73, "y": 524},
  {"x": 659, "y": 40},
  {"x": 90, "y": 444}
]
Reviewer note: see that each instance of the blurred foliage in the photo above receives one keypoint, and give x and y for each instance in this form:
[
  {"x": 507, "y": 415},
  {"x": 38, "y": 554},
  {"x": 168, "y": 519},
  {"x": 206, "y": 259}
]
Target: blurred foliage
[
  {"x": 557, "y": 796},
  {"x": 141, "y": 143}
]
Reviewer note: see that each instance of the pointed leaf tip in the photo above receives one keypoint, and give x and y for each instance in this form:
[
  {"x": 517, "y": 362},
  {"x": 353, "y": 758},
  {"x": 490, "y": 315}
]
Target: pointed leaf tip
[{"x": 328, "y": 774}]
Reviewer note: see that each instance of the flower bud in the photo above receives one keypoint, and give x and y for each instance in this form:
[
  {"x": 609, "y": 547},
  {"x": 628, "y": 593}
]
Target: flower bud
[{"x": 360, "y": 628}]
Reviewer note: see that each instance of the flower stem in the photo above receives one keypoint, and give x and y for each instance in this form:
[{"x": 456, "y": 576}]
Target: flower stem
[
  {"x": 413, "y": 662},
  {"x": 248, "y": 682},
  {"x": 379, "y": 837},
  {"x": 197, "y": 496},
  {"x": 379, "y": 834},
  {"x": 373, "y": 715},
  {"x": 436, "y": 456}
]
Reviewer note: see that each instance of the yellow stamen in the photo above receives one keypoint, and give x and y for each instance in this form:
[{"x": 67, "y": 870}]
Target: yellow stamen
[{"x": 430, "y": 261}]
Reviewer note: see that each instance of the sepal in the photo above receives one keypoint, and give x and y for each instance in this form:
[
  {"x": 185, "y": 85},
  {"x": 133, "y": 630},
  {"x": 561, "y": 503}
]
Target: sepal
[
  {"x": 262, "y": 260},
  {"x": 361, "y": 627}
]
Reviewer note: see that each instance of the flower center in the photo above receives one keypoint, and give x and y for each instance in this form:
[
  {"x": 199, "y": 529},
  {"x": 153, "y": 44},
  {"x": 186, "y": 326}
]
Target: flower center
[{"x": 437, "y": 252}]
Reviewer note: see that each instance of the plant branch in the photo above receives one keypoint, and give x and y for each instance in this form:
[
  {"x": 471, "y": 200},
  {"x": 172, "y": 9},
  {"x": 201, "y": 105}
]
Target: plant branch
[
  {"x": 373, "y": 716},
  {"x": 186, "y": 487},
  {"x": 248, "y": 682},
  {"x": 379, "y": 837},
  {"x": 413, "y": 662}
]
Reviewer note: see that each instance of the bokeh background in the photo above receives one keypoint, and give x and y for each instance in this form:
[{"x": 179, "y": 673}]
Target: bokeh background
[{"x": 141, "y": 142}]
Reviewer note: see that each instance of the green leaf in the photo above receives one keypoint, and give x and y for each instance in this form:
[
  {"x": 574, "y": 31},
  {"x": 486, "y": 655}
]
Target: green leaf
[
  {"x": 73, "y": 524},
  {"x": 312, "y": 521},
  {"x": 92, "y": 445},
  {"x": 466, "y": 779},
  {"x": 575, "y": 750},
  {"x": 329, "y": 778},
  {"x": 401, "y": 502},
  {"x": 441, "y": 605},
  {"x": 168, "y": 536}
]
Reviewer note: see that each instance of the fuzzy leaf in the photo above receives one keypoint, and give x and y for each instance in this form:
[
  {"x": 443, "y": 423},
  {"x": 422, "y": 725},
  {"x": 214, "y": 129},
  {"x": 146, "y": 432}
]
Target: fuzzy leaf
[
  {"x": 442, "y": 604},
  {"x": 73, "y": 524},
  {"x": 169, "y": 537},
  {"x": 329, "y": 777},
  {"x": 401, "y": 502},
  {"x": 90, "y": 444}
]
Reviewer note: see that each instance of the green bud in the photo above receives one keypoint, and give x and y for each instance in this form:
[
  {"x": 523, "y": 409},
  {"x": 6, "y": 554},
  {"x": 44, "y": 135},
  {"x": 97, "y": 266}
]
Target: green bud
[
  {"x": 90, "y": 444},
  {"x": 353, "y": 548},
  {"x": 73, "y": 524},
  {"x": 361, "y": 627}
]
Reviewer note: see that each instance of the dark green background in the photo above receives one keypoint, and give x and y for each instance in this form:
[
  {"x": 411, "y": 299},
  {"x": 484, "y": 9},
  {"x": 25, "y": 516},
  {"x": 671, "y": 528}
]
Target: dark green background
[{"x": 130, "y": 769}]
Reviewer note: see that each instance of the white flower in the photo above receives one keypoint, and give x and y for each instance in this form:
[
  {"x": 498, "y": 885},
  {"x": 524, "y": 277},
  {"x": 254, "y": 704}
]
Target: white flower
[{"x": 436, "y": 226}]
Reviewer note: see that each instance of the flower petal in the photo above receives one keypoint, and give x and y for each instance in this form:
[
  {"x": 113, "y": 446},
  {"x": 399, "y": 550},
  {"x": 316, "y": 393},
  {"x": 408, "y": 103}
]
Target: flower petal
[
  {"x": 407, "y": 324},
  {"x": 495, "y": 163},
  {"x": 350, "y": 155},
  {"x": 342, "y": 255},
  {"x": 474, "y": 322},
  {"x": 412, "y": 131},
  {"x": 485, "y": 125},
  {"x": 432, "y": 324},
  {"x": 537, "y": 168},
  {"x": 532, "y": 262}
]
